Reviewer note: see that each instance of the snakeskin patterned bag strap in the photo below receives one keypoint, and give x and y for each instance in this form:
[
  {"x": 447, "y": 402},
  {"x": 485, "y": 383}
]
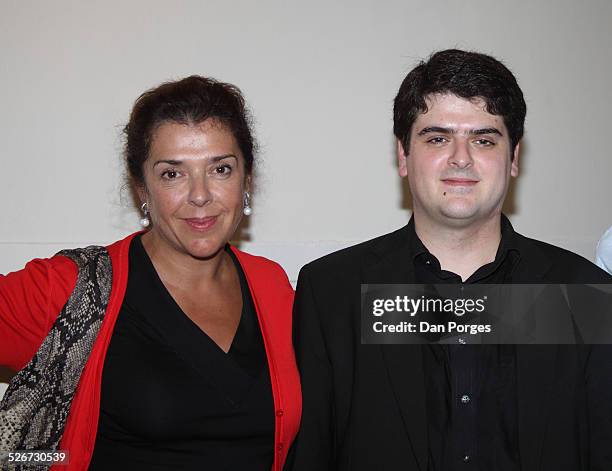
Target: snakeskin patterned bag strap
[{"x": 36, "y": 404}]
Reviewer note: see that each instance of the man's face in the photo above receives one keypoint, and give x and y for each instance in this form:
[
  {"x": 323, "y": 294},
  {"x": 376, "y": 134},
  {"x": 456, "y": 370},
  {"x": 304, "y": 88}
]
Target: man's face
[{"x": 459, "y": 162}]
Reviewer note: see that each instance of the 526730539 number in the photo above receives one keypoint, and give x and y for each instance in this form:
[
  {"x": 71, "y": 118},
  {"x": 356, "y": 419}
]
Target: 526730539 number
[{"x": 48, "y": 457}]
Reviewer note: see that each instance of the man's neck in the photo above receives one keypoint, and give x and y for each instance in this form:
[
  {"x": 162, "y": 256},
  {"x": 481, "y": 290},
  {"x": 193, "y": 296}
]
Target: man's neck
[{"x": 461, "y": 250}]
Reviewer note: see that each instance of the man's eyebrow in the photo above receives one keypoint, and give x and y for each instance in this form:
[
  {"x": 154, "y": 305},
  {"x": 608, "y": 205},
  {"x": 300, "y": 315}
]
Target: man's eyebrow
[
  {"x": 477, "y": 132},
  {"x": 443, "y": 130},
  {"x": 437, "y": 129},
  {"x": 216, "y": 158}
]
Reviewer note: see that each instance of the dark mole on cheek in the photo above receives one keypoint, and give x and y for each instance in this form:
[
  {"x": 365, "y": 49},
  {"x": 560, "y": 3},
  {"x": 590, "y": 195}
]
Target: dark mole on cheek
[{"x": 444, "y": 194}]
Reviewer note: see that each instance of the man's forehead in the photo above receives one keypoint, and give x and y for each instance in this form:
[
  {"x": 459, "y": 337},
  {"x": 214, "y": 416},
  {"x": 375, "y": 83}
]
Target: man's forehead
[{"x": 455, "y": 110}]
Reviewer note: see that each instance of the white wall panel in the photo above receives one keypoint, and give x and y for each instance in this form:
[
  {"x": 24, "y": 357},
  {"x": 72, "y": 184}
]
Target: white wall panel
[{"x": 320, "y": 77}]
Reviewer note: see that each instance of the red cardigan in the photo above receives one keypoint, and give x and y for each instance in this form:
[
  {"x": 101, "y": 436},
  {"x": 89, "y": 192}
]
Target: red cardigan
[{"x": 31, "y": 299}]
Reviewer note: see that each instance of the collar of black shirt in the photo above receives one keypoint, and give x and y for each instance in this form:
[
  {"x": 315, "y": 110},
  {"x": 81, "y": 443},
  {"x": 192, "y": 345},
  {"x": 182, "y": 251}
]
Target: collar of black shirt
[{"x": 427, "y": 266}]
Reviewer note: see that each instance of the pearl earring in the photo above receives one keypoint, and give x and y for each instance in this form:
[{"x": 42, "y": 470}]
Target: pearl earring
[
  {"x": 144, "y": 220},
  {"x": 246, "y": 204}
]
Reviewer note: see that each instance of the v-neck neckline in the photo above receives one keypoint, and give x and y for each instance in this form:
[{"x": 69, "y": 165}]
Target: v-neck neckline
[{"x": 191, "y": 342}]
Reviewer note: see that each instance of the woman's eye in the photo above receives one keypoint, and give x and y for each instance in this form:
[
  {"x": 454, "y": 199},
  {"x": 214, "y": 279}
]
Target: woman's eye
[
  {"x": 169, "y": 174},
  {"x": 223, "y": 169}
]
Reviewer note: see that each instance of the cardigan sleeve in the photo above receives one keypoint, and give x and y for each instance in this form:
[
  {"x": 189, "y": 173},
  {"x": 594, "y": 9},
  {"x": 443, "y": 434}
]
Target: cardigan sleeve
[{"x": 30, "y": 300}]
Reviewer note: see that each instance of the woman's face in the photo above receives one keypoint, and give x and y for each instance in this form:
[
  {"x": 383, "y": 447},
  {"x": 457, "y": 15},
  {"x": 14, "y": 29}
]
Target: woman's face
[{"x": 194, "y": 182}]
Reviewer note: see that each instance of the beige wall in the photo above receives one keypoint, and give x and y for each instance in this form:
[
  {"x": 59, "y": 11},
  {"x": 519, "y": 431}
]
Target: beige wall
[{"x": 320, "y": 77}]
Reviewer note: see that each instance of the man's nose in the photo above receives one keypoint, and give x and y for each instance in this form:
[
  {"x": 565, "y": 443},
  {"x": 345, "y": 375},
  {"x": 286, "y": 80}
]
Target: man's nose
[{"x": 461, "y": 156}]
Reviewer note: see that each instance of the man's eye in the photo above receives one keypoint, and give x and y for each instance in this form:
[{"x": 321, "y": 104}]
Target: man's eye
[
  {"x": 484, "y": 142},
  {"x": 437, "y": 140},
  {"x": 169, "y": 174}
]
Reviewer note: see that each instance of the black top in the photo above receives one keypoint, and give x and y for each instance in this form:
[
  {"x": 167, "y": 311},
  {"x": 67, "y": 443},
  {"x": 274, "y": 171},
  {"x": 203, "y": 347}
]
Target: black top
[
  {"x": 171, "y": 398},
  {"x": 470, "y": 389}
]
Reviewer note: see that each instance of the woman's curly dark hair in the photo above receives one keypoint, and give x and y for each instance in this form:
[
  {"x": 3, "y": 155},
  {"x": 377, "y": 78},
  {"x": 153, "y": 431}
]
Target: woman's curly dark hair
[{"x": 191, "y": 100}]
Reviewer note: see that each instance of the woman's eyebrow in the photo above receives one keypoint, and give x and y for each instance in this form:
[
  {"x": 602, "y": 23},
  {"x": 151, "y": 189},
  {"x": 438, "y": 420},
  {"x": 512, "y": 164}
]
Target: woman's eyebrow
[{"x": 216, "y": 158}]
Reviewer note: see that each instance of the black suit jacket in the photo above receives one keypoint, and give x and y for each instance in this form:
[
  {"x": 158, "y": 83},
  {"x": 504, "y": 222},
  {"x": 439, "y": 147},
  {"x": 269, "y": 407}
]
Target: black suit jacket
[{"x": 364, "y": 405}]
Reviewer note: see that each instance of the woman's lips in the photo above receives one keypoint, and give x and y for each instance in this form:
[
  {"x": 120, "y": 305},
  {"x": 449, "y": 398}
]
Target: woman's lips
[
  {"x": 460, "y": 182},
  {"x": 201, "y": 224}
]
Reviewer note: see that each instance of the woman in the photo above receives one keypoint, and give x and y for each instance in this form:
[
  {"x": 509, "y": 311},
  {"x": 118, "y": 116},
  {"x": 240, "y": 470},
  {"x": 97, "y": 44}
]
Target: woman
[{"x": 179, "y": 343}]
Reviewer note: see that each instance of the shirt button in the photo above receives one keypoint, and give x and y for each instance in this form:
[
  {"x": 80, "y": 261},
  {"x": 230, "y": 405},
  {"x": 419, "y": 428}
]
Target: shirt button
[
  {"x": 428, "y": 262},
  {"x": 465, "y": 399},
  {"x": 279, "y": 447},
  {"x": 466, "y": 458},
  {"x": 461, "y": 340},
  {"x": 279, "y": 413}
]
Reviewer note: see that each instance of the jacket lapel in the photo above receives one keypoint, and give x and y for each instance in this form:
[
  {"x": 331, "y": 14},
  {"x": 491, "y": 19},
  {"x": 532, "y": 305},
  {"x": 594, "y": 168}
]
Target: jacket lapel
[
  {"x": 535, "y": 366},
  {"x": 391, "y": 262}
]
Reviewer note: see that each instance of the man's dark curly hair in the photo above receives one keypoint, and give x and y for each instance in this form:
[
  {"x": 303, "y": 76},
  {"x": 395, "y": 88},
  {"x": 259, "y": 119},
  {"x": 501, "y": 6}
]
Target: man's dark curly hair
[{"x": 466, "y": 75}]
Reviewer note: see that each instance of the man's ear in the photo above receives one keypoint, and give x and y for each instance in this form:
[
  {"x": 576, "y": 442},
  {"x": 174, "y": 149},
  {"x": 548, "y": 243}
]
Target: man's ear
[
  {"x": 514, "y": 168},
  {"x": 401, "y": 160}
]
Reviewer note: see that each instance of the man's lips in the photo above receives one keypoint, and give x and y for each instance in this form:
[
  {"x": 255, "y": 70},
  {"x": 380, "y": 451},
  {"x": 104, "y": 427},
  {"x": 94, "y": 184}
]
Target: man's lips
[
  {"x": 201, "y": 223},
  {"x": 459, "y": 181}
]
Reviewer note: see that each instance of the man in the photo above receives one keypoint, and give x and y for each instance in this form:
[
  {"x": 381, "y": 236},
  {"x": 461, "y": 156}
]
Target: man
[
  {"x": 603, "y": 254},
  {"x": 458, "y": 119}
]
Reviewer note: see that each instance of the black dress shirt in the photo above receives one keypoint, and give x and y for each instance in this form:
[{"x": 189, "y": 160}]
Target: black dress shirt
[
  {"x": 470, "y": 389},
  {"x": 171, "y": 398}
]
